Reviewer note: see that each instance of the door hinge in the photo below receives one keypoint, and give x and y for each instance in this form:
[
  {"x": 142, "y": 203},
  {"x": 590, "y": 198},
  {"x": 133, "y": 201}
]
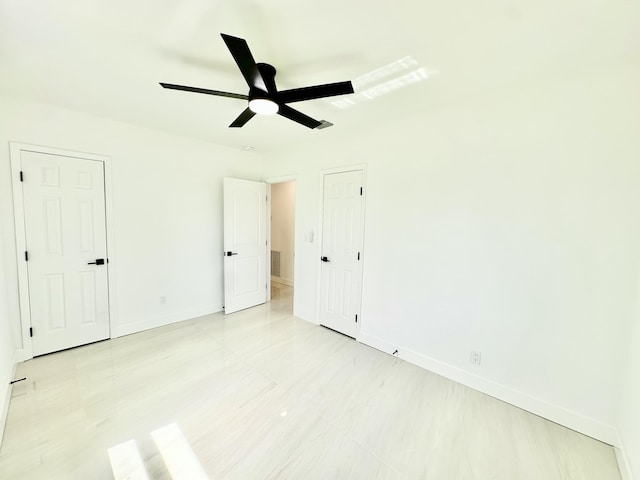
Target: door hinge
[
  {"x": 26, "y": 256},
  {"x": 356, "y": 318},
  {"x": 358, "y": 255},
  {"x": 360, "y": 191},
  {"x": 31, "y": 331},
  {"x": 21, "y": 176}
]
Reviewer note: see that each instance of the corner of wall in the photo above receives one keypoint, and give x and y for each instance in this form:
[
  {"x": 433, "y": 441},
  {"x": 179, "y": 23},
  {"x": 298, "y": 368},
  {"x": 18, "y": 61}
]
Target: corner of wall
[
  {"x": 623, "y": 461},
  {"x": 5, "y": 399}
]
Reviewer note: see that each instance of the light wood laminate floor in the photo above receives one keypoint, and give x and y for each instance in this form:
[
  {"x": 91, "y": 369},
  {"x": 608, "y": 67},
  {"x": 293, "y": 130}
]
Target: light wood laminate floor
[{"x": 260, "y": 394}]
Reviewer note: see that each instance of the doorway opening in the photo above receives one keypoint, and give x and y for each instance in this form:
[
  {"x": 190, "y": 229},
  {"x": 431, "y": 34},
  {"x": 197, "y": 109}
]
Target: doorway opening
[{"x": 282, "y": 241}]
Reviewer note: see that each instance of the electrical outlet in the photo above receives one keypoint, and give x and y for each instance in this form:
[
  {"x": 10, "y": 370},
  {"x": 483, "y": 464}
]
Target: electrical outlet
[
  {"x": 476, "y": 357},
  {"x": 163, "y": 300}
]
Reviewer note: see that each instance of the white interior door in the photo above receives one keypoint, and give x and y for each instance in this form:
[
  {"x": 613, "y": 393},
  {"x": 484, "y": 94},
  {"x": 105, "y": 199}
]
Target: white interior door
[
  {"x": 65, "y": 228},
  {"x": 245, "y": 244},
  {"x": 341, "y": 257}
]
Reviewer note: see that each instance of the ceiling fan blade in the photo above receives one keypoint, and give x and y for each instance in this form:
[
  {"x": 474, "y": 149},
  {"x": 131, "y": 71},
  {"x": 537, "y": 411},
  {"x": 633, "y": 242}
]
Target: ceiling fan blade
[
  {"x": 317, "y": 91},
  {"x": 204, "y": 90},
  {"x": 242, "y": 119},
  {"x": 297, "y": 116},
  {"x": 243, "y": 57}
]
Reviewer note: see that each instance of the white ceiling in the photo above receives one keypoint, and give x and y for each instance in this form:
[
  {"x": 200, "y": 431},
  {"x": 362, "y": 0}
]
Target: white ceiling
[{"x": 106, "y": 57}]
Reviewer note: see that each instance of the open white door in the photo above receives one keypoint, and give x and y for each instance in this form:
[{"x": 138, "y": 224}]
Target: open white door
[
  {"x": 341, "y": 272},
  {"x": 65, "y": 228},
  {"x": 245, "y": 244}
]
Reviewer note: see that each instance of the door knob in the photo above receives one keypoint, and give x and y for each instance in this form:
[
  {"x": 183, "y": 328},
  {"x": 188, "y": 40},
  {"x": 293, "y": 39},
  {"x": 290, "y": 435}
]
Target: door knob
[
  {"x": 324, "y": 259},
  {"x": 99, "y": 261},
  {"x": 228, "y": 254}
]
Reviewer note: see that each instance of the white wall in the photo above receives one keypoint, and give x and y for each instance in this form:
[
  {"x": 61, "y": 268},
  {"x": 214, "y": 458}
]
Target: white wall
[
  {"x": 283, "y": 197},
  {"x": 507, "y": 224},
  {"x": 167, "y": 208}
]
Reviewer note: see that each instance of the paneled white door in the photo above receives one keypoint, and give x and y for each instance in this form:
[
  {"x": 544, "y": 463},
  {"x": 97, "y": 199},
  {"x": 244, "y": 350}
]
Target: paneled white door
[
  {"x": 245, "y": 244},
  {"x": 64, "y": 208},
  {"x": 341, "y": 253}
]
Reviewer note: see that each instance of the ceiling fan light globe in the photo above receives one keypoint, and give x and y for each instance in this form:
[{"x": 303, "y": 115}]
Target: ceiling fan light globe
[{"x": 263, "y": 106}]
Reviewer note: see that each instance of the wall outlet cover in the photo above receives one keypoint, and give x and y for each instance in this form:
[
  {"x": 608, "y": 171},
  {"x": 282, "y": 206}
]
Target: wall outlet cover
[{"x": 476, "y": 357}]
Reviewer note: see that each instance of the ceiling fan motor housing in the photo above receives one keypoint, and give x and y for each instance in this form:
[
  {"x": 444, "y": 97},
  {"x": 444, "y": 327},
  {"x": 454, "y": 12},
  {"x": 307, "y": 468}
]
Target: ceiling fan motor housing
[{"x": 268, "y": 73}]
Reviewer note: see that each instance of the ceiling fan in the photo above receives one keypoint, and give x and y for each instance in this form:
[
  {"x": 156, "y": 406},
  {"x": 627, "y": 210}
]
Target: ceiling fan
[{"x": 264, "y": 97}]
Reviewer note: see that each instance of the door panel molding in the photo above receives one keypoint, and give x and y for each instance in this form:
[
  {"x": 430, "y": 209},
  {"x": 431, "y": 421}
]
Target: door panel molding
[
  {"x": 15, "y": 150},
  {"x": 321, "y": 179}
]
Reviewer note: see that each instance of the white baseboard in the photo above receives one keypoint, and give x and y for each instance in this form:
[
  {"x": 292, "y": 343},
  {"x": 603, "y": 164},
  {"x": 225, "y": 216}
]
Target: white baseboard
[
  {"x": 623, "y": 461},
  {"x": 6, "y": 398},
  {"x": 575, "y": 421},
  {"x": 130, "y": 328},
  {"x": 283, "y": 281}
]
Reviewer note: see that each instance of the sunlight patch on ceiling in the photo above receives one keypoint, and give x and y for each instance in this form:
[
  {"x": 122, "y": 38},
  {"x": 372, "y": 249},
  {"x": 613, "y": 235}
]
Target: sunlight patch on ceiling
[
  {"x": 393, "y": 68},
  {"x": 396, "y": 83},
  {"x": 381, "y": 81}
]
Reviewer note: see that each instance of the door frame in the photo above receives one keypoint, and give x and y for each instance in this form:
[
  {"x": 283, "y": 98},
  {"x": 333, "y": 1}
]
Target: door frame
[
  {"x": 270, "y": 181},
  {"x": 329, "y": 171},
  {"x": 15, "y": 151}
]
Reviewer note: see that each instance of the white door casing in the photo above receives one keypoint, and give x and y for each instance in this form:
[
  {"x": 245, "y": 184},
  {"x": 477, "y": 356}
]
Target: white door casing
[
  {"x": 65, "y": 231},
  {"x": 341, "y": 251},
  {"x": 245, "y": 244}
]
